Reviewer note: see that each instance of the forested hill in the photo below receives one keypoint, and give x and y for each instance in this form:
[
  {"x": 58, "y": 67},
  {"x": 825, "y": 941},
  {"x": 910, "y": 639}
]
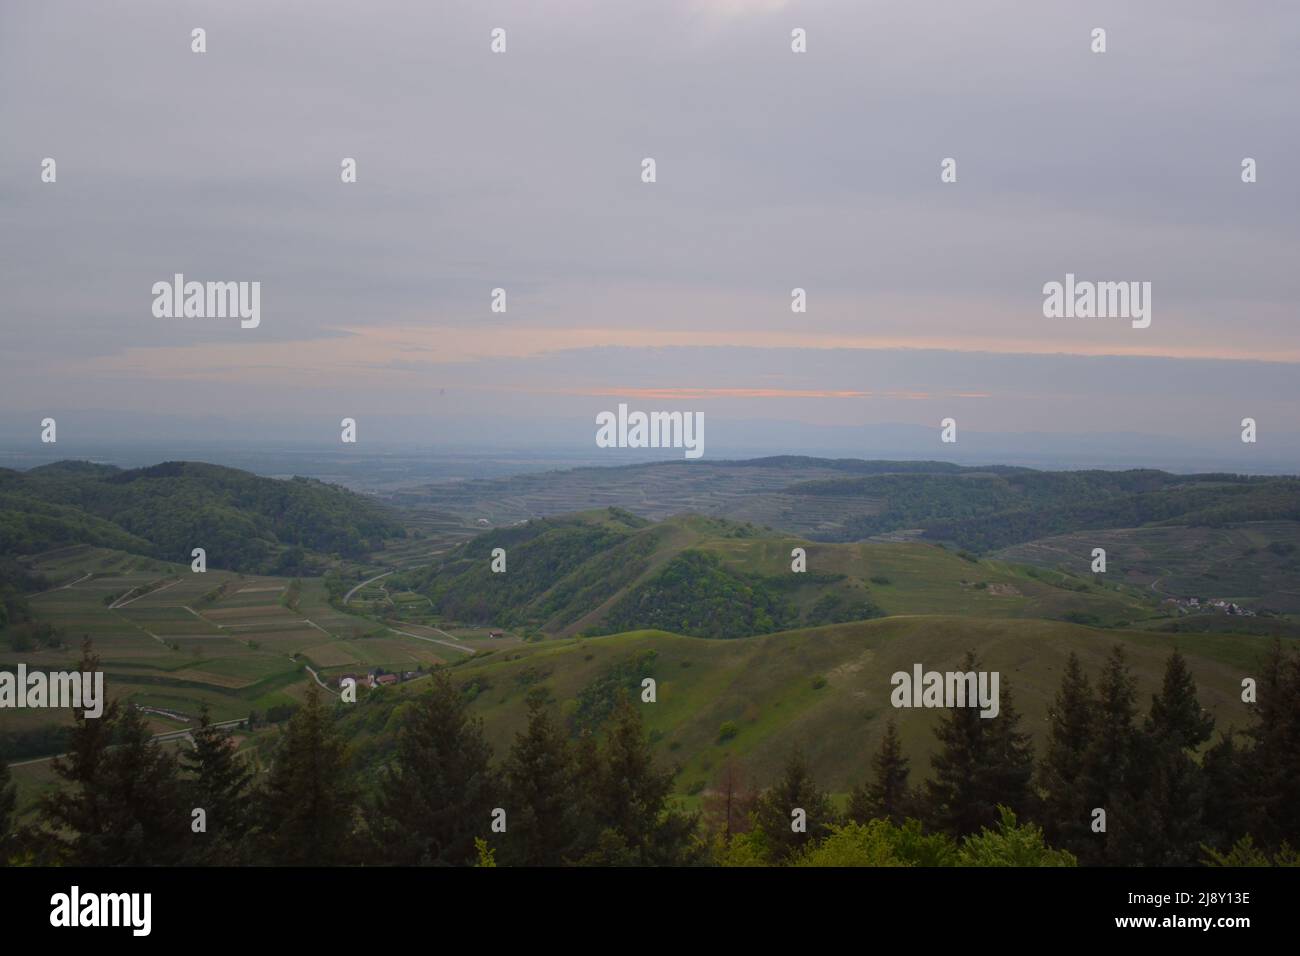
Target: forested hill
[
  {"x": 243, "y": 521},
  {"x": 608, "y": 571}
]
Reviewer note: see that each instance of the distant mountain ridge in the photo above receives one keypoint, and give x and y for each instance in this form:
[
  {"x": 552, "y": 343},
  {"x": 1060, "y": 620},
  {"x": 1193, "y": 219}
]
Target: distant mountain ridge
[{"x": 979, "y": 508}]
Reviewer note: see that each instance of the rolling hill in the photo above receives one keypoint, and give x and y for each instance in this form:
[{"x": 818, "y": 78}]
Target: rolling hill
[
  {"x": 825, "y": 690},
  {"x": 976, "y": 508},
  {"x": 608, "y": 571},
  {"x": 243, "y": 521}
]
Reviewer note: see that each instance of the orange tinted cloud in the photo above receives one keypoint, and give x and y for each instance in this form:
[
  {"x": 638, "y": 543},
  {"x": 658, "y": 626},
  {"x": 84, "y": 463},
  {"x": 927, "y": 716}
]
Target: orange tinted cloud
[{"x": 687, "y": 392}]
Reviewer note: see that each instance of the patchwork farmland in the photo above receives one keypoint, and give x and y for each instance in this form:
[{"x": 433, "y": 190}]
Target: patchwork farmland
[{"x": 173, "y": 640}]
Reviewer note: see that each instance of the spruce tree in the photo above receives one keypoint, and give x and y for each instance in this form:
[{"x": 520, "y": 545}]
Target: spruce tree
[
  {"x": 1176, "y": 716},
  {"x": 1108, "y": 762},
  {"x": 121, "y": 804},
  {"x": 775, "y": 813},
  {"x": 438, "y": 794},
  {"x": 983, "y": 762},
  {"x": 307, "y": 807},
  {"x": 541, "y": 792},
  {"x": 1162, "y": 825},
  {"x": 887, "y": 795},
  {"x": 1226, "y": 771},
  {"x": 1010, "y": 772},
  {"x": 1166, "y": 783},
  {"x": 147, "y": 821},
  {"x": 1070, "y": 725},
  {"x": 219, "y": 783},
  {"x": 75, "y": 812},
  {"x": 587, "y": 771},
  {"x": 1271, "y": 784},
  {"x": 629, "y": 800}
]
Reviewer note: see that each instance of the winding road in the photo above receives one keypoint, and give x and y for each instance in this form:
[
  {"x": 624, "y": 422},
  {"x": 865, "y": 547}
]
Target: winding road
[{"x": 348, "y": 597}]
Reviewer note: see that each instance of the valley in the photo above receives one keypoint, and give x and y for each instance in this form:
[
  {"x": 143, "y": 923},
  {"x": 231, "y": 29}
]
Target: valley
[{"x": 679, "y": 571}]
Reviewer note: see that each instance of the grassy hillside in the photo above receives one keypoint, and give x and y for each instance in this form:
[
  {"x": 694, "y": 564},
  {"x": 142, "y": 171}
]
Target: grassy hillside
[
  {"x": 243, "y": 521},
  {"x": 1256, "y": 564},
  {"x": 824, "y": 689},
  {"x": 603, "y": 572}
]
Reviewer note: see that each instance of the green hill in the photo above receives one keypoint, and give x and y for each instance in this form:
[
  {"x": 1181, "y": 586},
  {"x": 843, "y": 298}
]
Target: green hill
[
  {"x": 608, "y": 571},
  {"x": 823, "y": 689},
  {"x": 243, "y": 521}
]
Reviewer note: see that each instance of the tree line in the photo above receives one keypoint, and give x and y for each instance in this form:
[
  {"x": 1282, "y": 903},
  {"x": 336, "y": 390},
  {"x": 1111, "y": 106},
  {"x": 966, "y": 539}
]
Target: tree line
[{"x": 1114, "y": 786}]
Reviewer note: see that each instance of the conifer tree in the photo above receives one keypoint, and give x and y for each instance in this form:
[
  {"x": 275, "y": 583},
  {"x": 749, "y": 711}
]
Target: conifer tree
[
  {"x": 1226, "y": 770},
  {"x": 438, "y": 794},
  {"x": 147, "y": 822},
  {"x": 1271, "y": 785},
  {"x": 983, "y": 762},
  {"x": 219, "y": 784},
  {"x": 74, "y": 813},
  {"x": 1176, "y": 717},
  {"x": 887, "y": 795},
  {"x": 1167, "y": 785},
  {"x": 1010, "y": 773},
  {"x": 587, "y": 772},
  {"x": 120, "y": 805},
  {"x": 1109, "y": 759},
  {"x": 774, "y": 815},
  {"x": 1070, "y": 724},
  {"x": 307, "y": 807},
  {"x": 541, "y": 792},
  {"x": 629, "y": 799},
  {"x": 1159, "y": 823}
]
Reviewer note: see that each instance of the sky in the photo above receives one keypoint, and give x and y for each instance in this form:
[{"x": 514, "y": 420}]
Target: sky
[{"x": 775, "y": 170}]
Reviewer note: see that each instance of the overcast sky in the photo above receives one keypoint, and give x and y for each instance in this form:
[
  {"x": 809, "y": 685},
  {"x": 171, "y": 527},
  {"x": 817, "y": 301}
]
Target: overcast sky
[{"x": 775, "y": 170}]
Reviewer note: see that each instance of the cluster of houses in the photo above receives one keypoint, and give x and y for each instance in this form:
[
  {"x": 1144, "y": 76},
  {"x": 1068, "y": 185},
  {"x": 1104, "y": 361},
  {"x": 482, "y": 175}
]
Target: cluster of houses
[
  {"x": 376, "y": 678},
  {"x": 1186, "y": 605}
]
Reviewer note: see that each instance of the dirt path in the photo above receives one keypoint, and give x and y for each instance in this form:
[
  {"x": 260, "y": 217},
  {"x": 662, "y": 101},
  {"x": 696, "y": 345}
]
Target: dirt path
[
  {"x": 119, "y": 603},
  {"x": 433, "y": 640},
  {"x": 348, "y": 597},
  {"x": 64, "y": 587}
]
